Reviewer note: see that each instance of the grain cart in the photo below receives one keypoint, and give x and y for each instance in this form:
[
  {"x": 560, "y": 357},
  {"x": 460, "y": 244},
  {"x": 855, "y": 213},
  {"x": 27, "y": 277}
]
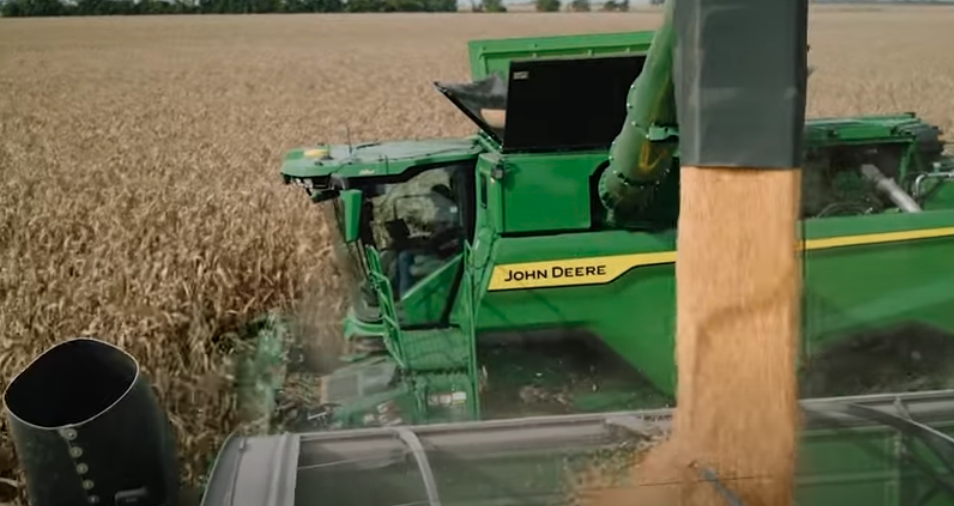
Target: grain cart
[
  {"x": 111, "y": 444},
  {"x": 471, "y": 259}
]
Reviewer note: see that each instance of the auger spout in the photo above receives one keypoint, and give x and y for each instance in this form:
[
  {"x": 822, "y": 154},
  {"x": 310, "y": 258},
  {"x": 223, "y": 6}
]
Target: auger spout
[
  {"x": 638, "y": 158},
  {"x": 88, "y": 428}
]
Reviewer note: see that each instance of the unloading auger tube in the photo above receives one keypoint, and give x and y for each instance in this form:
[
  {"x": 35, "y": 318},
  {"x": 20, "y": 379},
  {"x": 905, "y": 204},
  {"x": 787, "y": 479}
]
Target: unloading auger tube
[
  {"x": 642, "y": 152},
  {"x": 638, "y": 158}
]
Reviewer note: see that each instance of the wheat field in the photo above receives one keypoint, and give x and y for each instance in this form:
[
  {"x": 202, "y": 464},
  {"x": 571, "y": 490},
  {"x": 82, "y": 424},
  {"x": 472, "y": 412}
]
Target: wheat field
[{"x": 141, "y": 201}]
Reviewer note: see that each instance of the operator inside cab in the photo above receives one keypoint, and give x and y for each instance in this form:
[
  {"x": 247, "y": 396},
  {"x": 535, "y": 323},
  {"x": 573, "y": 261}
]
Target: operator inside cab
[{"x": 437, "y": 240}]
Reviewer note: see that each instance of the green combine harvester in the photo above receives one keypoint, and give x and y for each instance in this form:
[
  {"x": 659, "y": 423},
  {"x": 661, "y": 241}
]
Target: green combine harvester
[
  {"x": 532, "y": 264},
  {"x": 499, "y": 261}
]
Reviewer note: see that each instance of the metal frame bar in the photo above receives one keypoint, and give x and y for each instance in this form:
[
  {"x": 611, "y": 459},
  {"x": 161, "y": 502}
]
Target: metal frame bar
[
  {"x": 938, "y": 443},
  {"x": 413, "y": 443},
  {"x": 710, "y": 476}
]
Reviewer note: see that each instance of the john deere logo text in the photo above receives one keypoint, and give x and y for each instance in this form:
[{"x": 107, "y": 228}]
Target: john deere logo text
[
  {"x": 565, "y": 272},
  {"x": 606, "y": 269},
  {"x": 555, "y": 272},
  {"x": 571, "y": 271}
]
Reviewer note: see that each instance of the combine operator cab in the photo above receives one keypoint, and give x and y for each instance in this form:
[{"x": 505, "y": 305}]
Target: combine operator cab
[
  {"x": 416, "y": 225},
  {"x": 403, "y": 211}
]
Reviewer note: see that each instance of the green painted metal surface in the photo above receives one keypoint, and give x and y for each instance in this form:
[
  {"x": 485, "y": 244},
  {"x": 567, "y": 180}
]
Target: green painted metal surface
[
  {"x": 375, "y": 158},
  {"x": 494, "y": 55},
  {"x": 538, "y": 251}
]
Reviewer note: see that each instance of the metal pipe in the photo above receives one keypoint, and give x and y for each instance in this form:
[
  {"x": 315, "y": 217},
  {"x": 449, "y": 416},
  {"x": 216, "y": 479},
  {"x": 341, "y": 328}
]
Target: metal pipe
[
  {"x": 891, "y": 189},
  {"x": 918, "y": 181}
]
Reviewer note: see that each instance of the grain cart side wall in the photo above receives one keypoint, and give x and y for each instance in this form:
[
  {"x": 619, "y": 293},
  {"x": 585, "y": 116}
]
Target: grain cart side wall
[
  {"x": 495, "y": 55},
  {"x": 849, "y": 452}
]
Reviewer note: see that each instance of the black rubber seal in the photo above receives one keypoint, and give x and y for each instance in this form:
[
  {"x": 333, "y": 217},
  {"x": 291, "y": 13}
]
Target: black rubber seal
[{"x": 740, "y": 71}]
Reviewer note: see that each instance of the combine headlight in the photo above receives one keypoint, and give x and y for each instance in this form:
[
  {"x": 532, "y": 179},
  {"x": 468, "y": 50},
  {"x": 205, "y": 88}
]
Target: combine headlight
[{"x": 305, "y": 183}]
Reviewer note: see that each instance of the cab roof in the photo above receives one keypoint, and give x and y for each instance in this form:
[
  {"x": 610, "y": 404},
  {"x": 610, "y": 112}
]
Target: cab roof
[{"x": 376, "y": 158}]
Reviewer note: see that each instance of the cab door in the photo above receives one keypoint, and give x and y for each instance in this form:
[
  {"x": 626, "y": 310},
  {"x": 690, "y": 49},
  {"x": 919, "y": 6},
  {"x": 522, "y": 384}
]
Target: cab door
[{"x": 425, "y": 267}]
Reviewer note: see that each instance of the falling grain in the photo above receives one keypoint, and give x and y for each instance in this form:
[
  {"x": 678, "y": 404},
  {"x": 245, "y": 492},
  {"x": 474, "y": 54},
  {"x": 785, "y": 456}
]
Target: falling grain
[{"x": 737, "y": 330}]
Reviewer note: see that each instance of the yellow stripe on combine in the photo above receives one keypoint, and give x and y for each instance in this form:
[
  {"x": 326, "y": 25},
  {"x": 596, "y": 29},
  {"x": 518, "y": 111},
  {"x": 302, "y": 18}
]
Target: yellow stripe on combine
[
  {"x": 603, "y": 269},
  {"x": 857, "y": 240}
]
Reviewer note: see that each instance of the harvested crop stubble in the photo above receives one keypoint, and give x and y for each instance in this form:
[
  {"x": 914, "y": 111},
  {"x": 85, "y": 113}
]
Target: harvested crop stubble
[{"x": 139, "y": 199}]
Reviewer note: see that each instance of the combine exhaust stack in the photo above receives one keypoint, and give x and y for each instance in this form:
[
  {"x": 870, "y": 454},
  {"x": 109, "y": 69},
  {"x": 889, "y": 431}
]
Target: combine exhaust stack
[{"x": 89, "y": 430}]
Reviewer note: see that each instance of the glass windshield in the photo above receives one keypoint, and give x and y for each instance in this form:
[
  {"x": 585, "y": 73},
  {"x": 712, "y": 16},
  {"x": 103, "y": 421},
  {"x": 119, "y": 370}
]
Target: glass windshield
[{"x": 416, "y": 226}]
